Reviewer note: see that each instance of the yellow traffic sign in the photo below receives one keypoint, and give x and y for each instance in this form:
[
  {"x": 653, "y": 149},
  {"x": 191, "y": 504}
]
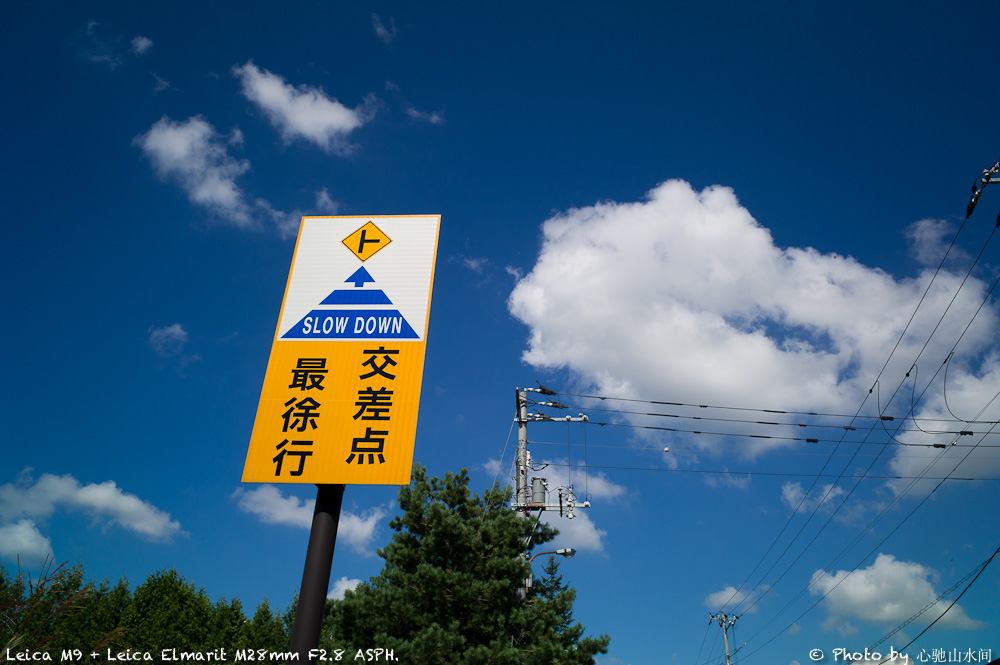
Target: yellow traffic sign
[
  {"x": 367, "y": 240},
  {"x": 342, "y": 387}
]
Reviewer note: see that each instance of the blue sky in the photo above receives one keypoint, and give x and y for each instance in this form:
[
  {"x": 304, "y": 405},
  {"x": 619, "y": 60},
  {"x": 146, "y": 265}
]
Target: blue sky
[{"x": 729, "y": 205}]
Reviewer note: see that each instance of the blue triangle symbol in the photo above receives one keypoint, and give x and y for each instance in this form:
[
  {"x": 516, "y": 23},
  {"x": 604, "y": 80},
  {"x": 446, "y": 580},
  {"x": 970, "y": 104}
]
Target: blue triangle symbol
[{"x": 360, "y": 277}]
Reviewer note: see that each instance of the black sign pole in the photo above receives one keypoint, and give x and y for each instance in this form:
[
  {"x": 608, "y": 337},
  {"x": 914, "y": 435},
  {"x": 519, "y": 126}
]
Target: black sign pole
[{"x": 316, "y": 573}]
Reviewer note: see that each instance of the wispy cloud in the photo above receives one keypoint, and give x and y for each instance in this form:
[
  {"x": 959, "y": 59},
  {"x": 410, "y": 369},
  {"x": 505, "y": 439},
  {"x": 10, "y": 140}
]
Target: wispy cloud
[
  {"x": 160, "y": 84},
  {"x": 727, "y": 479},
  {"x": 475, "y": 264},
  {"x": 926, "y": 238},
  {"x": 793, "y": 496},
  {"x": 94, "y": 44},
  {"x": 385, "y": 34},
  {"x": 492, "y": 466},
  {"x": 303, "y": 112},
  {"x": 325, "y": 204},
  {"x": 94, "y": 47},
  {"x": 169, "y": 342},
  {"x": 434, "y": 117}
]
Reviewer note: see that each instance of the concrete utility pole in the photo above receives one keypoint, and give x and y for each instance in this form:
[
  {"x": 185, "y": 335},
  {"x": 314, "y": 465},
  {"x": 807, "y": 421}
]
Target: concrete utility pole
[
  {"x": 726, "y": 621},
  {"x": 538, "y": 500}
]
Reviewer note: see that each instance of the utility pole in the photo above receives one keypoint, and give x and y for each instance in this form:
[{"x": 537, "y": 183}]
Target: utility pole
[
  {"x": 538, "y": 500},
  {"x": 989, "y": 177},
  {"x": 726, "y": 621}
]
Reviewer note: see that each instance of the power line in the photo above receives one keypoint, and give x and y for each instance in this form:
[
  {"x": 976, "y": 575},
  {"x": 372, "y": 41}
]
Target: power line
[
  {"x": 725, "y": 408},
  {"x": 756, "y": 453},
  {"x": 768, "y": 473},
  {"x": 802, "y": 439}
]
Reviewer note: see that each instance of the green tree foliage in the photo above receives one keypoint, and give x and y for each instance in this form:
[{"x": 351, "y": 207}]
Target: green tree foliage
[
  {"x": 265, "y": 631},
  {"x": 448, "y": 591},
  {"x": 96, "y": 622},
  {"x": 168, "y": 612},
  {"x": 56, "y": 610}
]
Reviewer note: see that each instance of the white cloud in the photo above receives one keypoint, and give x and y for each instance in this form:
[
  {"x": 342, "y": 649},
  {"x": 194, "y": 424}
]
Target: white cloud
[
  {"x": 435, "y": 117},
  {"x": 792, "y": 495},
  {"x": 492, "y": 466},
  {"x": 105, "y": 502},
  {"x": 272, "y": 507},
  {"x": 192, "y": 154},
  {"x": 386, "y": 35},
  {"x": 325, "y": 204},
  {"x": 141, "y": 45},
  {"x": 728, "y": 480},
  {"x": 598, "y": 486},
  {"x": 580, "y": 533},
  {"x": 341, "y": 586},
  {"x": 169, "y": 342},
  {"x": 22, "y": 541},
  {"x": 730, "y": 597},
  {"x": 885, "y": 593},
  {"x": 475, "y": 264},
  {"x": 684, "y": 293},
  {"x": 196, "y": 157},
  {"x": 971, "y": 395},
  {"x": 304, "y": 112},
  {"x": 357, "y": 531},
  {"x": 926, "y": 239},
  {"x": 287, "y": 223},
  {"x": 586, "y": 483}
]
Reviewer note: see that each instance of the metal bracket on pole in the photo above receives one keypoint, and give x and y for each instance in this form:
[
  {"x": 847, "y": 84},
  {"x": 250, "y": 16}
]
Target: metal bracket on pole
[{"x": 988, "y": 178}]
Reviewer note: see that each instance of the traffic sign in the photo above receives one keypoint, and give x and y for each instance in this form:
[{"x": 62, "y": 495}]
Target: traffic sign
[{"x": 342, "y": 387}]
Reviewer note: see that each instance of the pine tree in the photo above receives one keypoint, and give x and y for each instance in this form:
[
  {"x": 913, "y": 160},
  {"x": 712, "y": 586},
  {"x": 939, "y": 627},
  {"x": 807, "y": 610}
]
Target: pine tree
[{"x": 448, "y": 590}]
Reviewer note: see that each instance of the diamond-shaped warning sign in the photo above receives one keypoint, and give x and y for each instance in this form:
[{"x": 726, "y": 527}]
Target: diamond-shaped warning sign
[{"x": 366, "y": 241}]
